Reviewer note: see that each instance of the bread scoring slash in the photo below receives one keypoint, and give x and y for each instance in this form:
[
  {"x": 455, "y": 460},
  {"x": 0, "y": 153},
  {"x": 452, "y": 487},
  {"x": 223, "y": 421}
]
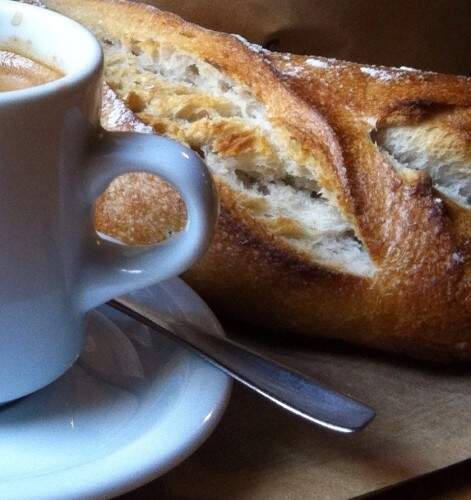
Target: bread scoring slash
[{"x": 345, "y": 189}]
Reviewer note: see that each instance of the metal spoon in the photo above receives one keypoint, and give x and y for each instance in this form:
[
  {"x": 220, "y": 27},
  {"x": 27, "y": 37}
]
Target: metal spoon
[{"x": 287, "y": 388}]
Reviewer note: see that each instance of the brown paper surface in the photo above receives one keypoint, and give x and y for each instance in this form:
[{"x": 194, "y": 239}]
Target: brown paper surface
[
  {"x": 427, "y": 34},
  {"x": 258, "y": 451}
]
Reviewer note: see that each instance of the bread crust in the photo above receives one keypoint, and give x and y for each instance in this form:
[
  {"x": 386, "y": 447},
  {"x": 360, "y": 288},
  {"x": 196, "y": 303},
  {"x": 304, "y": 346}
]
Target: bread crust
[{"x": 419, "y": 300}]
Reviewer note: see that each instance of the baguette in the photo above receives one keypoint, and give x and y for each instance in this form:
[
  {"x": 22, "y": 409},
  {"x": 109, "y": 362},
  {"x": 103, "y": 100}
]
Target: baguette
[{"x": 345, "y": 189}]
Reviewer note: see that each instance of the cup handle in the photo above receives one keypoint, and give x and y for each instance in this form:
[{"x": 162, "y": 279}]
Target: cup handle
[{"x": 112, "y": 269}]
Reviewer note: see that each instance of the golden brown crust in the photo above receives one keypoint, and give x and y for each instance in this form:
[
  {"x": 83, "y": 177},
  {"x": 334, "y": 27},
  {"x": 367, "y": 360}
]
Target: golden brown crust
[{"x": 419, "y": 301}]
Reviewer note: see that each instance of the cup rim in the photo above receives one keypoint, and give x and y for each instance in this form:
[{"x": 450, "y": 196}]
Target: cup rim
[{"x": 89, "y": 64}]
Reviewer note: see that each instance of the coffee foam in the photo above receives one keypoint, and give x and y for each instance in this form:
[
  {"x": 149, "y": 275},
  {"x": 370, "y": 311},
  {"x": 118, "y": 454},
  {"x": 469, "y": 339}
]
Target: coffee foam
[{"x": 19, "y": 72}]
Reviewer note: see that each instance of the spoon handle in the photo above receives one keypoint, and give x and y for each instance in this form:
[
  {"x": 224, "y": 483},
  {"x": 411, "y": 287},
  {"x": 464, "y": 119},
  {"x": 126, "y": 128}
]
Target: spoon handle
[{"x": 289, "y": 389}]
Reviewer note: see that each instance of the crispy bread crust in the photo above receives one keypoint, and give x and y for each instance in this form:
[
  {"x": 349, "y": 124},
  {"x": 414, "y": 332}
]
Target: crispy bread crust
[{"x": 419, "y": 301}]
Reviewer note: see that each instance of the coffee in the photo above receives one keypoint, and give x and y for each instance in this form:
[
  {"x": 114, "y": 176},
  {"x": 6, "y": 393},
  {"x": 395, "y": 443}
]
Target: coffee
[{"x": 20, "y": 72}]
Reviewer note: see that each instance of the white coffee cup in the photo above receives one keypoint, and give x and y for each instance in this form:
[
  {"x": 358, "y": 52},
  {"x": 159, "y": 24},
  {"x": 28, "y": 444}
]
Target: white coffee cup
[{"x": 54, "y": 162}]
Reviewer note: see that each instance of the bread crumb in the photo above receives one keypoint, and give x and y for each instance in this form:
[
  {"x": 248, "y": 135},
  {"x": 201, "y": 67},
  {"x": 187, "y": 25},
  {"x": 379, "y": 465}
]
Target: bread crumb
[{"x": 462, "y": 346}]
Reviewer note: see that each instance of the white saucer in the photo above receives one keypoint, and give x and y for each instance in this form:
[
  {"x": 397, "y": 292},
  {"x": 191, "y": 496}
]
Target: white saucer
[{"x": 133, "y": 407}]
